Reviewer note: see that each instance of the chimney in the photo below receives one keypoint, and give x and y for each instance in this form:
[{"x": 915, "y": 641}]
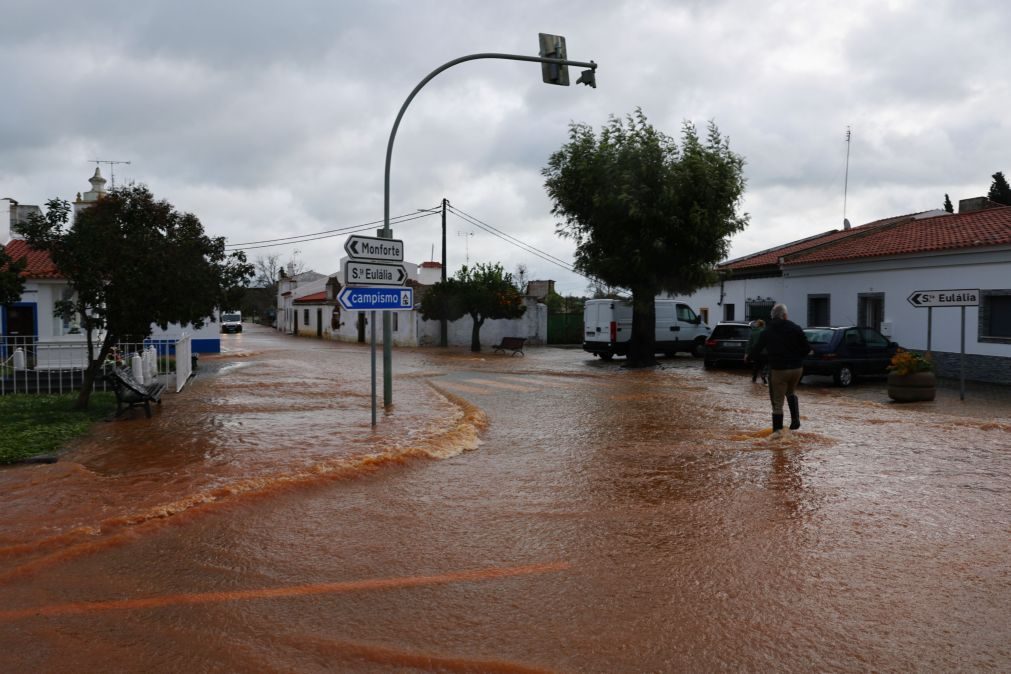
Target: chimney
[{"x": 974, "y": 204}]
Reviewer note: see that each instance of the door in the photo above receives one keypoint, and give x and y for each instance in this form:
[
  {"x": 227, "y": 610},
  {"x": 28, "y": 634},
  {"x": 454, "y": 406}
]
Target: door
[
  {"x": 361, "y": 326},
  {"x": 878, "y": 351},
  {"x": 666, "y": 328},
  {"x": 854, "y": 350},
  {"x": 871, "y": 310},
  {"x": 19, "y": 328},
  {"x": 319, "y": 322}
]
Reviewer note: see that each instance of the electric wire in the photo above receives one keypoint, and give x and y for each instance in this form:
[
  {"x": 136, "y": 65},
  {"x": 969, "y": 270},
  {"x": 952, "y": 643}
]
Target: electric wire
[
  {"x": 329, "y": 233},
  {"x": 494, "y": 230}
]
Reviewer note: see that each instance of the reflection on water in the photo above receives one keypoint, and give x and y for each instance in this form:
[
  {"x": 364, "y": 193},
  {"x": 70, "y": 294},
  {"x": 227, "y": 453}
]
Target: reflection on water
[{"x": 679, "y": 532}]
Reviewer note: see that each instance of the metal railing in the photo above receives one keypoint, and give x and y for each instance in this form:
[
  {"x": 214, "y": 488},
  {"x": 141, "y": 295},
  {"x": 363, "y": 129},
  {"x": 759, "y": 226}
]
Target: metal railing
[{"x": 29, "y": 364}]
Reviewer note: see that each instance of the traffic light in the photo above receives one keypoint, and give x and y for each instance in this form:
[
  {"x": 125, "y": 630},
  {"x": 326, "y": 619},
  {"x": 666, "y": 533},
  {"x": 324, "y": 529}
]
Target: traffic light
[{"x": 553, "y": 47}]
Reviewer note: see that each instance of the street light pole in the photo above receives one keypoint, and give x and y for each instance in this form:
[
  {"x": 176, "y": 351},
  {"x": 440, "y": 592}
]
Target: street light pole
[
  {"x": 443, "y": 323},
  {"x": 387, "y": 233}
]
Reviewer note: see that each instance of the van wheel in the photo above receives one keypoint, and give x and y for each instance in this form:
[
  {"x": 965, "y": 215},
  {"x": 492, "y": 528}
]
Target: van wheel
[
  {"x": 606, "y": 356},
  {"x": 843, "y": 376},
  {"x": 698, "y": 348}
]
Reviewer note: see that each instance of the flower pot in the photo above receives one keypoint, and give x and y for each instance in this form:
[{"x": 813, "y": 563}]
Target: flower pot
[{"x": 906, "y": 388}]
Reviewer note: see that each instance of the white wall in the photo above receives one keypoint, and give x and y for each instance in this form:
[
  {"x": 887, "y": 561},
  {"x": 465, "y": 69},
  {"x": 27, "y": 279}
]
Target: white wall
[
  {"x": 533, "y": 325},
  {"x": 844, "y": 282}
]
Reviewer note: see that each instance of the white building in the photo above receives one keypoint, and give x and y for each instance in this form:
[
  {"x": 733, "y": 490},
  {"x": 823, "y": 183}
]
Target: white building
[{"x": 864, "y": 275}]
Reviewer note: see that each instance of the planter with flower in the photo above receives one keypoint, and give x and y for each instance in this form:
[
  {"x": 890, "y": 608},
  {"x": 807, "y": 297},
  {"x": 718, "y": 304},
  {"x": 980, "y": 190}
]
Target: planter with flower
[{"x": 911, "y": 377}]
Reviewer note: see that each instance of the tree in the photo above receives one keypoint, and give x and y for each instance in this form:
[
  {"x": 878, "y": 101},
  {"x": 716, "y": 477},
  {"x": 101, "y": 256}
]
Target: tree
[
  {"x": 484, "y": 292},
  {"x": 131, "y": 262},
  {"x": 1000, "y": 191},
  {"x": 12, "y": 284},
  {"x": 947, "y": 204},
  {"x": 646, "y": 214}
]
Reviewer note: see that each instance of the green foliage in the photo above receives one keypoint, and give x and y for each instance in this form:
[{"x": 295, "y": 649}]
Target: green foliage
[
  {"x": 947, "y": 204},
  {"x": 1000, "y": 191},
  {"x": 484, "y": 291},
  {"x": 646, "y": 213},
  {"x": 37, "y": 424},
  {"x": 132, "y": 261},
  {"x": 11, "y": 282}
]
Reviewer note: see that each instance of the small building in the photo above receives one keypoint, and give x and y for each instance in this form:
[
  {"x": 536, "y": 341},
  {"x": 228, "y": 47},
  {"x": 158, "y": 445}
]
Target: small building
[{"x": 864, "y": 276}]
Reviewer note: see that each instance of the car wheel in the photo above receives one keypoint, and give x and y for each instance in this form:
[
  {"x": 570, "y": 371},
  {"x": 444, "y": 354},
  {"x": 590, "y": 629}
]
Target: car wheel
[
  {"x": 843, "y": 376},
  {"x": 606, "y": 356},
  {"x": 708, "y": 364}
]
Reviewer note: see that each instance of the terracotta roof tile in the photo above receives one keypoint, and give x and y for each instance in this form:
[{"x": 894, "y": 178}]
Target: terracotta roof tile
[
  {"x": 314, "y": 298},
  {"x": 40, "y": 265},
  {"x": 990, "y": 227}
]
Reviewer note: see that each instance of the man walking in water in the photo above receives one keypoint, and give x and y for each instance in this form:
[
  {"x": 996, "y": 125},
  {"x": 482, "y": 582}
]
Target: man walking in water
[{"x": 785, "y": 347}]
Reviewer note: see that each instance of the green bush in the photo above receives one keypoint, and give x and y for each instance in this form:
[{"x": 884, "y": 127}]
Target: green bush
[{"x": 37, "y": 424}]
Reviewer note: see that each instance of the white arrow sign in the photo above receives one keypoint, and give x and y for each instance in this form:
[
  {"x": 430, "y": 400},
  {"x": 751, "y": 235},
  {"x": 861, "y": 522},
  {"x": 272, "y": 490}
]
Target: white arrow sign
[
  {"x": 373, "y": 248},
  {"x": 944, "y": 298},
  {"x": 360, "y": 273}
]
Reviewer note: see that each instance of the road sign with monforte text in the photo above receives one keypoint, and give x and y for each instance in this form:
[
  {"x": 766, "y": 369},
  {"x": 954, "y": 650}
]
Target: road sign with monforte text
[
  {"x": 376, "y": 299},
  {"x": 944, "y": 298},
  {"x": 366, "y": 273},
  {"x": 374, "y": 248}
]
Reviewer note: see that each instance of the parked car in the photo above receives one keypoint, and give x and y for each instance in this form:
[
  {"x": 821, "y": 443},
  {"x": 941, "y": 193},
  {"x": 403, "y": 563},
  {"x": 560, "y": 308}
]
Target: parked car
[
  {"x": 607, "y": 328},
  {"x": 846, "y": 353},
  {"x": 727, "y": 344}
]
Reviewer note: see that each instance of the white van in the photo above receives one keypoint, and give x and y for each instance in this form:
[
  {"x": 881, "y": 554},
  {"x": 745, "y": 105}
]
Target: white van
[
  {"x": 231, "y": 321},
  {"x": 607, "y": 328}
]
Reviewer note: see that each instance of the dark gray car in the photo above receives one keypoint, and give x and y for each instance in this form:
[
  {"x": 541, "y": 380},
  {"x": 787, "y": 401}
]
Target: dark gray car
[{"x": 727, "y": 344}]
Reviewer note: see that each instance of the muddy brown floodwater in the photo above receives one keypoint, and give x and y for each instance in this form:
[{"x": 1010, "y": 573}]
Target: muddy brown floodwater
[{"x": 546, "y": 513}]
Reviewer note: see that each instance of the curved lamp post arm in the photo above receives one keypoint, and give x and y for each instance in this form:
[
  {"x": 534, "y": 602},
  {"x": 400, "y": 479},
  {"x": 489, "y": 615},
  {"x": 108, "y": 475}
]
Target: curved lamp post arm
[{"x": 400, "y": 115}]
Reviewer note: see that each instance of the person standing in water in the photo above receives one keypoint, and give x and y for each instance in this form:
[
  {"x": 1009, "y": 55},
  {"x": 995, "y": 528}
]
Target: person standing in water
[
  {"x": 758, "y": 361},
  {"x": 785, "y": 346}
]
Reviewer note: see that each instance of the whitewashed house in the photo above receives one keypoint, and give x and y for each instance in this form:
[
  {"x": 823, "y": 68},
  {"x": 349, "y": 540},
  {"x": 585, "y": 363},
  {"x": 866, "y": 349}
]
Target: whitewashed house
[{"x": 864, "y": 275}]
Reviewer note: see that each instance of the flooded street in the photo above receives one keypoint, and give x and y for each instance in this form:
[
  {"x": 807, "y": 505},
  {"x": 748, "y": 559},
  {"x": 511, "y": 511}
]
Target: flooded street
[{"x": 543, "y": 513}]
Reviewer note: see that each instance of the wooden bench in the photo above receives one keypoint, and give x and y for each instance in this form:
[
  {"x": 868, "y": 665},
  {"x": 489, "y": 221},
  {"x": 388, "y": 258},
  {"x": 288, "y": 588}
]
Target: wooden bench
[
  {"x": 131, "y": 393},
  {"x": 514, "y": 344}
]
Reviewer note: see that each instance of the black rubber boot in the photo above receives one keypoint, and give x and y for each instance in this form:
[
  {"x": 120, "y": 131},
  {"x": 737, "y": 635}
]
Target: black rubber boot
[
  {"x": 794, "y": 412},
  {"x": 777, "y": 422}
]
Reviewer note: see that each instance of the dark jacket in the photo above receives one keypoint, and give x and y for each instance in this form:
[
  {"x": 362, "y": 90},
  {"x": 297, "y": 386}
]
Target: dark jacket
[
  {"x": 752, "y": 340},
  {"x": 785, "y": 345}
]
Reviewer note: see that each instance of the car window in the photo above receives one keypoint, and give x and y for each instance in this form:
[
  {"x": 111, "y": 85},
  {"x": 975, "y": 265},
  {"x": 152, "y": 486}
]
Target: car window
[
  {"x": 874, "y": 338},
  {"x": 731, "y": 332},
  {"x": 818, "y": 336},
  {"x": 852, "y": 338}
]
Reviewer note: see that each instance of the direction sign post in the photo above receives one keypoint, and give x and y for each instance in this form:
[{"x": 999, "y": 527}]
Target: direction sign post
[
  {"x": 369, "y": 273},
  {"x": 947, "y": 298},
  {"x": 376, "y": 299},
  {"x": 373, "y": 248}
]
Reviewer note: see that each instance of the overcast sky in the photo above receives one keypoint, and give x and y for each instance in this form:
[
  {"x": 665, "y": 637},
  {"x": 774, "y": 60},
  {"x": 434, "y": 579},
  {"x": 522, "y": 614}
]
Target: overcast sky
[{"x": 270, "y": 120}]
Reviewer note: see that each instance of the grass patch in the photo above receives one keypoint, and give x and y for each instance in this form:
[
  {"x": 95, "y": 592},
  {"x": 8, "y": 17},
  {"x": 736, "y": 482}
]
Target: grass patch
[{"x": 37, "y": 424}]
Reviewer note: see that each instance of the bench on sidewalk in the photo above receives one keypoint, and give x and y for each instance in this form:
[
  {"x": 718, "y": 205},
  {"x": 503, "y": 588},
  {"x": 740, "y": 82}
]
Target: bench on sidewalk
[
  {"x": 514, "y": 344},
  {"x": 131, "y": 393}
]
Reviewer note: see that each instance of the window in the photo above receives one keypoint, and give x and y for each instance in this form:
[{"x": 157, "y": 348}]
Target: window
[
  {"x": 704, "y": 312},
  {"x": 759, "y": 309},
  {"x": 995, "y": 316},
  {"x": 873, "y": 339},
  {"x": 728, "y": 312},
  {"x": 818, "y": 310},
  {"x": 305, "y": 317}
]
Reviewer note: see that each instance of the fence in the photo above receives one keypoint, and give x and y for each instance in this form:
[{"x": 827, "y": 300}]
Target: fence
[{"x": 32, "y": 365}]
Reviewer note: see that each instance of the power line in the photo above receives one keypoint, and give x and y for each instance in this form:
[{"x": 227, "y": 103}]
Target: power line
[
  {"x": 329, "y": 233},
  {"x": 501, "y": 234}
]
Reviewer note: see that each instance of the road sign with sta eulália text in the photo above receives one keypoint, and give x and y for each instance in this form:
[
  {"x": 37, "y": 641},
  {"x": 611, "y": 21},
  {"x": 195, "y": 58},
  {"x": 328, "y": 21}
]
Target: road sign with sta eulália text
[
  {"x": 376, "y": 299},
  {"x": 368, "y": 273},
  {"x": 944, "y": 298},
  {"x": 374, "y": 248}
]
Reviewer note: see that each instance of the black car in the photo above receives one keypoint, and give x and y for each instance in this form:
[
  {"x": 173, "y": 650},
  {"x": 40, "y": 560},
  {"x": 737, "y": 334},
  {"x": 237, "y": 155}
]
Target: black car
[
  {"x": 727, "y": 344},
  {"x": 846, "y": 353}
]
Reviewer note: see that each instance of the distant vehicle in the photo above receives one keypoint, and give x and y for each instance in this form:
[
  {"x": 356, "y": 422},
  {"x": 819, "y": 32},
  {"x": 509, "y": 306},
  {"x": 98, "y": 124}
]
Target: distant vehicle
[
  {"x": 849, "y": 352},
  {"x": 727, "y": 345},
  {"x": 231, "y": 321},
  {"x": 607, "y": 328}
]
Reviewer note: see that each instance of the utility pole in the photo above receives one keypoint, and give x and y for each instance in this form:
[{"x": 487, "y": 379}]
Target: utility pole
[
  {"x": 443, "y": 323},
  {"x": 112, "y": 169}
]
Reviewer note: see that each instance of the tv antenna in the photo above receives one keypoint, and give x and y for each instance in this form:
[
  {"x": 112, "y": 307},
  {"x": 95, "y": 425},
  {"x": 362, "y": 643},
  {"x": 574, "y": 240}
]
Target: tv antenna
[
  {"x": 467, "y": 244},
  {"x": 846, "y": 180},
  {"x": 112, "y": 168}
]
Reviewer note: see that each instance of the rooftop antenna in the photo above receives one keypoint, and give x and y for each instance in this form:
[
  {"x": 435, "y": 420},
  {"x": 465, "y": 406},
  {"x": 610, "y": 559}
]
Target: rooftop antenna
[
  {"x": 112, "y": 168},
  {"x": 467, "y": 242},
  {"x": 846, "y": 180}
]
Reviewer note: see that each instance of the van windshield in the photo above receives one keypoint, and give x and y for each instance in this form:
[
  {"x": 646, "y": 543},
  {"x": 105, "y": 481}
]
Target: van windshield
[{"x": 231, "y": 318}]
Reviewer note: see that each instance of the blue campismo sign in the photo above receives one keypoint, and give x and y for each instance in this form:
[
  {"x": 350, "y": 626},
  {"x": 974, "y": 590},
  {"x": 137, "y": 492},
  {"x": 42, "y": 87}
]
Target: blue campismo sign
[{"x": 376, "y": 299}]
